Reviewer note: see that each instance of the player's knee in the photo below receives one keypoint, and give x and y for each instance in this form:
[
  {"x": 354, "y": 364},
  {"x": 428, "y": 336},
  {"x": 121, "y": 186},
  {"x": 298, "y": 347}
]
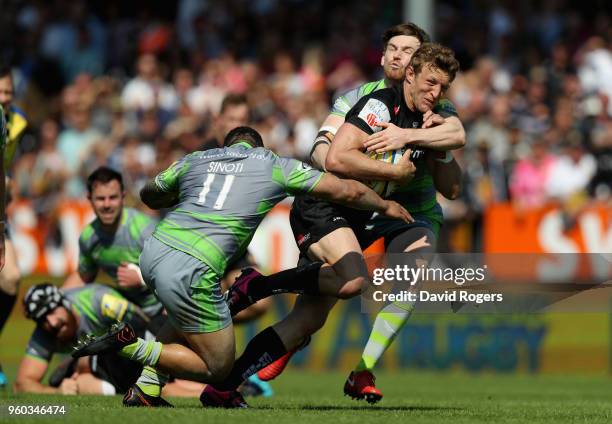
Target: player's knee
[
  {"x": 352, "y": 288},
  {"x": 219, "y": 368},
  {"x": 419, "y": 239},
  {"x": 312, "y": 325}
]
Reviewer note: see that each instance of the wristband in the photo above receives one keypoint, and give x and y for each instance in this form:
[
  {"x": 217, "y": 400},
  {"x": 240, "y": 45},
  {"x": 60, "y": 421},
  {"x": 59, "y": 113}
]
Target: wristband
[
  {"x": 329, "y": 129},
  {"x": 447, "y": 158},
  {"x": 321, "y": 138}
]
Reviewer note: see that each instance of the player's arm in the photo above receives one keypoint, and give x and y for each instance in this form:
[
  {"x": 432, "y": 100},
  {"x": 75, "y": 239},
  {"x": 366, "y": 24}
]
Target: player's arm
[
  {"x": 441, "y": 130},
  {"x": 447, "y": 134},
  {"x": 446, "y": 173},
  {"x": 322, "y": 143},
  {"x": 357, "y": 195},
  {"x": 163, "y": 190},
  {"x": 342, "y": 105},
  {"x": 345, "y": 157},
  {"x": 298, "y": 178},
  {"x": 30, "y": 375},
  {"x": 35, "y": 364}
]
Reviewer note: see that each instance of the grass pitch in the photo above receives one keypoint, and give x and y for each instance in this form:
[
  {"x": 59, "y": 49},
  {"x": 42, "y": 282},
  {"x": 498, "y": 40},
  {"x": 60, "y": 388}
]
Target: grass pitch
[{"x": 409, "y": 398}]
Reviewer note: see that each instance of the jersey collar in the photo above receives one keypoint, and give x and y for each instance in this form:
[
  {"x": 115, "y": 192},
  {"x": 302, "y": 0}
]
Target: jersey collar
[{"x": 242, "y": 144}]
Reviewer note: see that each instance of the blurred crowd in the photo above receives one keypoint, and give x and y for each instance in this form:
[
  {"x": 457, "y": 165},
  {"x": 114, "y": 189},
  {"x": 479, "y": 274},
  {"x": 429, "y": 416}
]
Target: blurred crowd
[{"x": 137, "y": 84}]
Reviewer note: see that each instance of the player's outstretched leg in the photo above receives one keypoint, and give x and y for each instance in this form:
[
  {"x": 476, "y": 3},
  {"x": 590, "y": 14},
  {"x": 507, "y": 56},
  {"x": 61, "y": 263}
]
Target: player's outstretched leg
[
  {"x": 251, "y": 286},
  {"x": 277, "y": 367}
]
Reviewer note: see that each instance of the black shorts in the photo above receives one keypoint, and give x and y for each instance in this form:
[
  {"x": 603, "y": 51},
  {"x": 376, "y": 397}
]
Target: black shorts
[{"x": 312, "y": 219}]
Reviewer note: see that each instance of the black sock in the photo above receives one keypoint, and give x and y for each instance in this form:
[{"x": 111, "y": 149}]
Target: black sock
[
  {"x": 262, "y": 350},
  {"x": 302, "y": 279},
  {"x": 6, "y": 306}
]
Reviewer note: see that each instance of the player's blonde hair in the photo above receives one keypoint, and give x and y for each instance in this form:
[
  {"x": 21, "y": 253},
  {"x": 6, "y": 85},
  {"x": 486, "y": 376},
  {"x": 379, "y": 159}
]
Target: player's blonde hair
[{"x": 437, "y": 56}]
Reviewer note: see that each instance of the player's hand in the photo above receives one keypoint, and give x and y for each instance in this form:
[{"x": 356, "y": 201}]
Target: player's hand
[
  {"x": 406, "y": 167},
  {"x": 431, "y": 119},
  {"x": 69, "y": 386},
  {"x": 391, "y": 137},
  {"x": 128, "y": 275},
  {"x": 2, "y": 250},
  {"x": 395, "y": 210}
]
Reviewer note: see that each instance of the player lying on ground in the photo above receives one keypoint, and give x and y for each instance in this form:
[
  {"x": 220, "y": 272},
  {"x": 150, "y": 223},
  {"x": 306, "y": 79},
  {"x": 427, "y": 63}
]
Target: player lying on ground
[
  {"x": 219, "y": 196},
  {"x": 327, "y": 232},
  {"x": 62, "y": 316}
]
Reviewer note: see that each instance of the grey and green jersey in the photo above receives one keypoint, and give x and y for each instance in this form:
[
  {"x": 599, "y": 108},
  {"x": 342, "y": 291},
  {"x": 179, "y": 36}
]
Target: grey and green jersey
[
  {"x": 99, "y": 250},
  {"x": 418, "y": 196},
  {"x": 96, "y": 306},
  {"x": 224, "y": 195},
  {"x": 346, "y": 101}
]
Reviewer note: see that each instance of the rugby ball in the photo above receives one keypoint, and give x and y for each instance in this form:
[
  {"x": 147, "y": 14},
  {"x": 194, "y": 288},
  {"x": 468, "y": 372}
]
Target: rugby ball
[{"x": 385, "y": 188}]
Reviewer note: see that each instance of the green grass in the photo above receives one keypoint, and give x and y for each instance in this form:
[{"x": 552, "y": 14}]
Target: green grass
[{"x": 409, "y": 398}]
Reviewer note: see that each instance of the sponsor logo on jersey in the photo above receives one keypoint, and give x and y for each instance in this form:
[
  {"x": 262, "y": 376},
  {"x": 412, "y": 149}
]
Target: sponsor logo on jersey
[
  {"x": 371, "y": 119},
  {"x": 373, "y": 112},
  {"x": 416, "y": 154},
  {"x": 302, "y": 238}
]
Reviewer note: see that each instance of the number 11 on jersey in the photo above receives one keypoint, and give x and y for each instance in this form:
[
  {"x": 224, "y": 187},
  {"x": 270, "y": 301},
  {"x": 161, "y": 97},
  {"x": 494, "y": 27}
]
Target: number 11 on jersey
[{"x": 228, "y": 180}]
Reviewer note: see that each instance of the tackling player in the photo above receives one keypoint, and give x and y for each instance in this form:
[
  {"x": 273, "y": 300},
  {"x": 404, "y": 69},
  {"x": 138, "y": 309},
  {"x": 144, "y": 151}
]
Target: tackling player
[{"x": 219, "y": 196}]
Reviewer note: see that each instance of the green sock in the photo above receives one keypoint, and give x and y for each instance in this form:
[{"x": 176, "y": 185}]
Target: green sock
[
  {"x": 151, "y": 381},
  {"x": 145, "y": 352},
  {"x": 387, "y": 325}
]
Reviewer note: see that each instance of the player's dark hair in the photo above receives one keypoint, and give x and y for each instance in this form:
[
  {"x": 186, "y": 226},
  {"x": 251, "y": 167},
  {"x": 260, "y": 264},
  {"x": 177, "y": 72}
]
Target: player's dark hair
[
  {"x": 437, "y": 56},
  {"x": 409, "y": 29},
  {"x": 243, "y": 134},
  {"x": 103, "y": 175},
  {"x": 233, "y": 100},
  {"x": 5, "y": 71}
]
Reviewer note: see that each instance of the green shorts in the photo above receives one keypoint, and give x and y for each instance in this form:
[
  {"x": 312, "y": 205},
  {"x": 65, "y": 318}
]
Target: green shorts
[{"x": 189, "y": 290}]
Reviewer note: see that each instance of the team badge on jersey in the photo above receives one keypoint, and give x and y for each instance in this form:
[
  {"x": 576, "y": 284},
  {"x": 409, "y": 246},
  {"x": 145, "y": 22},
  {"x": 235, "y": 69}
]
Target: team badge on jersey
[
  {"x": 374, "y": 111},
  {"x": 113, "y": 307}
]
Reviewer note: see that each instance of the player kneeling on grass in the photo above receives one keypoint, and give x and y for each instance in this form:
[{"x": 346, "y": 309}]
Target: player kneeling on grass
[
  {"x": 220, "y": 196},
  {"x": 63, "y": 316}
]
